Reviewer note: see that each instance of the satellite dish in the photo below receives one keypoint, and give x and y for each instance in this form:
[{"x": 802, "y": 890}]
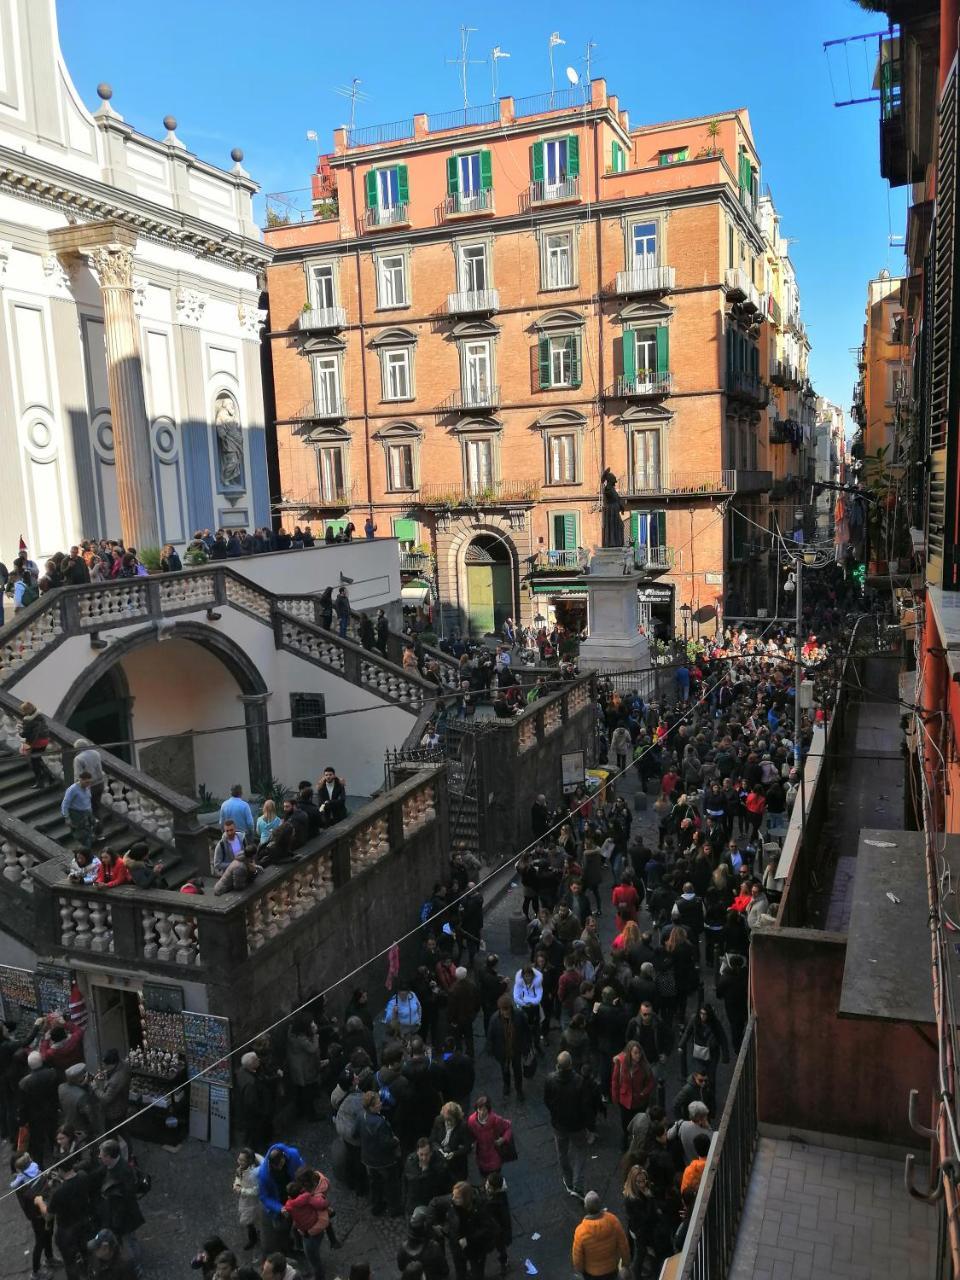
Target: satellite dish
[{"x": 573, "y": 75}]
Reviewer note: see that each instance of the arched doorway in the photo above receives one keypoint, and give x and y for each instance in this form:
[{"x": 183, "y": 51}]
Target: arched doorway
[
  {"x": 489, "y": 574},
  {"x": 178, "y": 692},
  {"x": 103, "y": 714}
]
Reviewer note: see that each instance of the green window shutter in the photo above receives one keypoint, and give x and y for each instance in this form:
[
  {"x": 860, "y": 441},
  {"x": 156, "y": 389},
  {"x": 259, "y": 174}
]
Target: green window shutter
[
  {"x": 573, "y": 156},
  {"x": 569, "y": 531},
  {"x": 544, "y": 361},
  {"x": 557, "y": 543},
  {"x": 629, "y": 355},
  {"x": 574, "y": 344},
  {"x": 453, "y": 175},
  {"x": 658, "y": 525},
  {"x": 403, "y": 188},
  {"x": 405, "y": 530},
  {"x": 486, "y": 171},
  {"x": 372, "y": 201},
  {"x": 663, "y": 349},
  {"x": 634, "y": 527},
  {"x": 536, "y": 161}
]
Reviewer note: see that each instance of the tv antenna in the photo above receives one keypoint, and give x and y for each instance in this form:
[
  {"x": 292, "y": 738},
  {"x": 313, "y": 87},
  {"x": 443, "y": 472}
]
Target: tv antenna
[
  {"x": 355, "y": 94},
  {"x": 588, "y": 57},
  {"x": 495, "y": 55},
  {"x": 465, "y": 61},
  {"x": 551, "y": 45}
]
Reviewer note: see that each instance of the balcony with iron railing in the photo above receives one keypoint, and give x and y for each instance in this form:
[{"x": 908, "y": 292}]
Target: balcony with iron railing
[
  {"x": 773, "y": 310},
  {"x": 737, "y": 284},
  {"x": 785, "y": 431},
  {"x": 560, "y": 561},
  {"x": 473, "y": 302},
  {"x": 471, "y": 397},
  {"x": 653, "y": 560},
  {"x": 336, "y": 499},
  {"x": 645, "y": 384},
  {"x": 461, "y": 205},
  {"x": 785, "y": 374},
  {"x": 489, "y": 493},
  {"x": 331, "y": 408},
  {"x": 650, "y": 279},
  {"x": 414, "y": 561},
  {"x": 565, "y": 189},
  {"x": 706, "y": 483},
  {"x": 322, "y": 319},
  {"x": 396, "y": 215},
  {"x": 748, "y": 387}
]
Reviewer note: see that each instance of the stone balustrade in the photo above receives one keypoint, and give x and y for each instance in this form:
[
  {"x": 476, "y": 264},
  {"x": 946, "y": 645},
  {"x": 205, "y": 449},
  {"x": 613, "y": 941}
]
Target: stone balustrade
[
  {"x": 314, "y": 645},
  {"x": 526, "y": 735},
  {"x": 304, "y": 607},
  {"x": 86, "y": 923},
  {"x": 183, "y": 591},
  {"x": 419, "y": 808},
  {"x": 390, "y": 683},
  {"x": 31, "y": 639},
  {"x": 155, "y": 929},
  {"x": 254, "y": 599},
  {"x": 125, "y": 600},
  {"x": 368, "y": 845},
  {"x": 131, "y": 802},
  {"x": 552, "y": 717},
  {"x": 170, "y": 936},
  {"x": 17, "y": 862}
]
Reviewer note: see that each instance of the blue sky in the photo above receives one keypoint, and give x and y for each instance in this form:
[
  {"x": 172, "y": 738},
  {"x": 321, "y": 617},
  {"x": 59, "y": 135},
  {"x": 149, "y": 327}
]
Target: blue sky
[{"x": 242, "y": 73}]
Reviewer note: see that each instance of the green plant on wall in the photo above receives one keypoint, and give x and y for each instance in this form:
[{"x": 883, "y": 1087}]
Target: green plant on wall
[{"x": 150, "y": 558}]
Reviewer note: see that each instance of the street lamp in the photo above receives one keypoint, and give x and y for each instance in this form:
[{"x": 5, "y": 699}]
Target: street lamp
[{"x": 686, "y": 611}]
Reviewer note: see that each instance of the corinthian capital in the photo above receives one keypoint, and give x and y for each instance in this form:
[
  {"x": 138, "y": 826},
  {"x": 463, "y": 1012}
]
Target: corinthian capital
[{"x": 113, "y": 265}]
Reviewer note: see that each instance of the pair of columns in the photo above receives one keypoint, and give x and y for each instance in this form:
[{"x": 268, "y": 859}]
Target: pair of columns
[{"x": 107, "y": 248}]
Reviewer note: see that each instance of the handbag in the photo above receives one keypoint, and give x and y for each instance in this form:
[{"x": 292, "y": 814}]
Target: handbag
[
  {"x": 23, "y": 1138},
  {"x": 508, "y": 1151}
]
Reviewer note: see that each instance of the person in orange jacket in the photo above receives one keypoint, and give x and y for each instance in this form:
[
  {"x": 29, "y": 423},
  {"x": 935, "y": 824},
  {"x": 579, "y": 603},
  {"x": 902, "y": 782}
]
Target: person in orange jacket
[{"x": 631, "y": 1084}]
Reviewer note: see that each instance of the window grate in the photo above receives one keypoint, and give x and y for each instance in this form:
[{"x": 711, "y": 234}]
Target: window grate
[{"x": 308, "y": 715}]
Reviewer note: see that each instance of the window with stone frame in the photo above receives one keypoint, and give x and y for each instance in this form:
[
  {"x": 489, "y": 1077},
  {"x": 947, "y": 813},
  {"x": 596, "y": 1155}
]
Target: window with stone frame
[{"x": 308, "y": 717}]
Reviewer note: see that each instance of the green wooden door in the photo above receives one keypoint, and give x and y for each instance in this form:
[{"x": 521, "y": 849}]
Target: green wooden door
[
  {"x": 480, "y": 614},
  {"x": 502, "y": 594}
]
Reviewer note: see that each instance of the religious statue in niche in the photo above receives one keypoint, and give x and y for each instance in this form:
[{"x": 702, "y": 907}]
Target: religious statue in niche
[
  {"x": 612, "y": 508},
  {"x": 226, "y": 420}
]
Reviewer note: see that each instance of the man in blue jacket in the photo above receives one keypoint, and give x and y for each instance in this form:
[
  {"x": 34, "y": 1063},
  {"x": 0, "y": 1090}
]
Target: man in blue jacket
[{"x": 276, "y": 1172}]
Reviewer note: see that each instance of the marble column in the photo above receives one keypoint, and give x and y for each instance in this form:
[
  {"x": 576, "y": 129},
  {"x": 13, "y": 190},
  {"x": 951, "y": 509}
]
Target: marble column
[{"x": 113, "y": 264}]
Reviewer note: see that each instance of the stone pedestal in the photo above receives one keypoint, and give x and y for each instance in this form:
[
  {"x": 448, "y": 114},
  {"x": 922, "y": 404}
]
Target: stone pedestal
[{"x": 612, "y": 613}]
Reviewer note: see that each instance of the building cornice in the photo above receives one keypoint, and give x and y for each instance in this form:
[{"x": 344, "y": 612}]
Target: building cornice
[
  {"x": 88, "y": 199},
  {"x": 716, "y": 193}
]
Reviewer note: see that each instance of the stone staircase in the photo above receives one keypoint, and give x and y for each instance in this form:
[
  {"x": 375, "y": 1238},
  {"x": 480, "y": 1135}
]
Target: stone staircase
[{"x": 40, "y": 810}]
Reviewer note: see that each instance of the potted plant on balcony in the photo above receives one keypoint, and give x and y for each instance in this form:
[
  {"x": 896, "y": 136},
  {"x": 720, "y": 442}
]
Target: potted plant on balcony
[{"x": 710, "y": 147}]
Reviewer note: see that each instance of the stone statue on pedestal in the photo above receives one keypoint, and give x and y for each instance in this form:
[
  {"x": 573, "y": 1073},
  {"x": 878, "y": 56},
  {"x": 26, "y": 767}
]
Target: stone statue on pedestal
[{"x": 612, "y": 508}]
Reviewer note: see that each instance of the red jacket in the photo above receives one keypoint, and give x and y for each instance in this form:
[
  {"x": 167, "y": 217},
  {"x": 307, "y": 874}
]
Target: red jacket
[
  {"x": 119, "y": 875},
  {"x": 309, "y": 1211},
  {"x": 63, "y": 1053},
  {"x": 485, "y": 1137},
  {"x": 626, "y": 900},
  {"x": 631, "y": 1089}
]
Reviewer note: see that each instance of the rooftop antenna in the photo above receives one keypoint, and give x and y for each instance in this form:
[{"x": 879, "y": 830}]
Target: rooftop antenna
[
  {"x": 588, "y": 58},
  {"x": 551, "y": 45},
  {"x": 495, "y": 55},
  {"x": 355, "y": 94},
  {"x": 465, "y": 61}
]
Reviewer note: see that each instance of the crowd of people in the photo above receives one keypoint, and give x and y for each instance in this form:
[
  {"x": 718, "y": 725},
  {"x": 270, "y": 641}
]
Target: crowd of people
[{"x": 582, "y": 1032}]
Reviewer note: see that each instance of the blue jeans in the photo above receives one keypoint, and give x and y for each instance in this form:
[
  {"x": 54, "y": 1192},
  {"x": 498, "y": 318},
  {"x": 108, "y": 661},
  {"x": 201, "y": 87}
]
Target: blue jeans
[
  {"x": 342, "y": 627},
  {"x": 312, "y": 1246}
]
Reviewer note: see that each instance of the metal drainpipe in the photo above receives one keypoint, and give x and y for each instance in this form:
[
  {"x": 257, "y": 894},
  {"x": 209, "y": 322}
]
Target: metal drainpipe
[
  {"x": 600, "y": 347},
  {"x": 363, "y": 348}
]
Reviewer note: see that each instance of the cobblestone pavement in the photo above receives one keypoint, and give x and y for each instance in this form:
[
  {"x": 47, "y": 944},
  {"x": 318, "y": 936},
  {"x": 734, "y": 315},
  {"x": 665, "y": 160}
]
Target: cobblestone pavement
[{"x": 191, "y": 1195}]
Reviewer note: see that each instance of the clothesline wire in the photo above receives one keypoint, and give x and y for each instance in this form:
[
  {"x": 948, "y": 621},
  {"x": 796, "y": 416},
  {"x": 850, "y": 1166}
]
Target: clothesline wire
[{"x": 359, "y": 968}]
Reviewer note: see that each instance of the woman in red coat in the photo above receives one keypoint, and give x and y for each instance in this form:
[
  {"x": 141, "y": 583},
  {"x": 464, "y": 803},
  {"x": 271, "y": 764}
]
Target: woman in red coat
[
  {"x": 631, "y": 1084},
  {"x": 626, "y": 899},
  {"x": 490, "y": 1134}
]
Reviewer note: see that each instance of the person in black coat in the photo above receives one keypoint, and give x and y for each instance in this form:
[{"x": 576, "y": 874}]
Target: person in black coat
[
  {"x": 331, "y": 797},
  {"x": 424, "y": 1244},
  {"x": 425, "y": 1176},
  {"x": 368, "y": 636},
  {"x": 383, "y": 632},
  {"x": 459, "y": 1073},
  {"x": 508, "y": 1039},
  {"x": 451, "y": 1137},
  {"x": 39, "y": 1105},
  {"x": 732, "y": 990},
  {"x": 119, "y": 1207},
  {"x": 539, "y": 817},
  {"x": 469, "y": 1228},
  {"x": 326, "y": 606}
]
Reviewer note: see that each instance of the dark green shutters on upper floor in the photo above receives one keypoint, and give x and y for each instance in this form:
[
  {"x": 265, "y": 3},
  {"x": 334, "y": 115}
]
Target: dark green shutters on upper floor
[
  {"x": 565, "y": 531},
  {"x": 486, "y": 171},
  {"x": 573, "y": 159},
  {"x": 372, "y": 201},
  {"x": 453, "y": 175}
]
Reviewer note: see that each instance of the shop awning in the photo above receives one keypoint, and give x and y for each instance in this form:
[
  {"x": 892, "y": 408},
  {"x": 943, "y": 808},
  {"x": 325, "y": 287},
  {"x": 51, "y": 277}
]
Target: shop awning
[
  {"x": 415, "y": 593},
  {"x": 557, "y": 589}
]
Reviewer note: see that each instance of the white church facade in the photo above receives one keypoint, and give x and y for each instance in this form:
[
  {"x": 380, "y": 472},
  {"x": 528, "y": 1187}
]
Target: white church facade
[{"x": 130, "y": 287}]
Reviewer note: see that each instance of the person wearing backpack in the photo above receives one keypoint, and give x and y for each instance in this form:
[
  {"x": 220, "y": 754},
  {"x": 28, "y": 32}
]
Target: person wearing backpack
[{"x": 25, "y": 591}]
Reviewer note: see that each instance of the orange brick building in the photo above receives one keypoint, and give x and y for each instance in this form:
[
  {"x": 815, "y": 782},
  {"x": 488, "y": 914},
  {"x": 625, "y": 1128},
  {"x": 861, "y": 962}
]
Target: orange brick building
[{"x": 483, "y": 310}]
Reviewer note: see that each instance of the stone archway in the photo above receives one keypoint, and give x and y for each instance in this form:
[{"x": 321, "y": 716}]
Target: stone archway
[
  {"x": 488, "y": 574},
  {"x": 250, "y": 687},
  {"x": 509, "y": 532}
]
